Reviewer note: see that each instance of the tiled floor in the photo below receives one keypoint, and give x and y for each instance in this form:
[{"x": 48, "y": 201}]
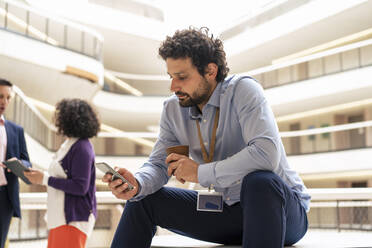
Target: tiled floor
[{"x": 313, "y": 239}]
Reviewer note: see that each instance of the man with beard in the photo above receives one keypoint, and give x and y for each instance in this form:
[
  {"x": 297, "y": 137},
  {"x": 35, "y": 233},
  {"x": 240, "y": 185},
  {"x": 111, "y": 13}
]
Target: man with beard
[{"x": 255, "y": 199}]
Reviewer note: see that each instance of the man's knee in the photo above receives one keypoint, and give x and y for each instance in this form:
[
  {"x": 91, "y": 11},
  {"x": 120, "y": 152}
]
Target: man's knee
[
  {"x": 260, "y": 184},
  {"x": 258, "y": 179}
]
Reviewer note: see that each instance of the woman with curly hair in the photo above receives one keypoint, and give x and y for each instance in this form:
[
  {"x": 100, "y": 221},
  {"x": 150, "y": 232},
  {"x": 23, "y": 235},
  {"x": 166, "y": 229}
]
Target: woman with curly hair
[{"x": 72, "y": 205}]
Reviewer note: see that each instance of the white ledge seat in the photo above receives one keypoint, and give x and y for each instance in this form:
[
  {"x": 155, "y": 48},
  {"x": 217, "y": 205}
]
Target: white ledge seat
[
  {"x": 174, "y": 240},
  {"x": 178, "y": 241},
  {"x": 314, "y": 238}
]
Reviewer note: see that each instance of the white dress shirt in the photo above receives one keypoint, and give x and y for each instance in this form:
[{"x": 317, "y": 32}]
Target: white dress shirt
[
  {"x": 247, "y": 140},
  {"x": 3, "y": 143}
]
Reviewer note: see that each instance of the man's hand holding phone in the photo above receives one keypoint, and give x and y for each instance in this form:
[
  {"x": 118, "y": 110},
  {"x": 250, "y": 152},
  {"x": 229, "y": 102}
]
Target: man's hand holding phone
[{"x": 120, "y": 189}]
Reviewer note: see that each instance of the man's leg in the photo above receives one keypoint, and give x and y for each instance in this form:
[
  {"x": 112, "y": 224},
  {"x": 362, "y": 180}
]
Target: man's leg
[
  {"x": 273, "y": 215},
  {"x": 175, "y": 210},
  {"x": 6, "y": 213}
]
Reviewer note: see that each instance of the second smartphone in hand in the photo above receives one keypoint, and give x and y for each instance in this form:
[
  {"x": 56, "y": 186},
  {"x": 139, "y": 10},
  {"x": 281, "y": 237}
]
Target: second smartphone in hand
[{"x": 105, "y": 168}]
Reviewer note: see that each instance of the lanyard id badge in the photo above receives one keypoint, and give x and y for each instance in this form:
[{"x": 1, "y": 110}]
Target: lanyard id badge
[{"x": 209, "y": 200}]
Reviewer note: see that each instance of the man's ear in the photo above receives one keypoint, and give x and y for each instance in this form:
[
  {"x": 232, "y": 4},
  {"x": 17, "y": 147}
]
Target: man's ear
[{"x": 211, "y": 71}]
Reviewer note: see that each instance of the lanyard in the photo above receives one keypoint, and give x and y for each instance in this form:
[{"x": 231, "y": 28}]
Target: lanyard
[{"x": 213, "y": 142}]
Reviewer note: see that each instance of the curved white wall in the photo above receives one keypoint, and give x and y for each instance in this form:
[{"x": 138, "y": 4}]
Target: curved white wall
[
  {"x": 129, "y": 113},
  {"x": 39, "y": 69}
]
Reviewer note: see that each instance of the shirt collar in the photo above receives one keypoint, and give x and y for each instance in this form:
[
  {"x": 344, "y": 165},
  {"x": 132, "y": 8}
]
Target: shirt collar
[
  {"x": 2, "y": 118},
  {"x": 214, "y": 100}
]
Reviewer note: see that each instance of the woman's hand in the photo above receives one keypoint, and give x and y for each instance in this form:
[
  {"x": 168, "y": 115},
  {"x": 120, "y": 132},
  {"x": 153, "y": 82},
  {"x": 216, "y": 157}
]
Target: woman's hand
[{"x": 35, "y": 176}]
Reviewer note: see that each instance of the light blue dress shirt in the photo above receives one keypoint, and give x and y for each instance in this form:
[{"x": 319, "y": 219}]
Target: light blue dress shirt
[{"x": 247, "y": 140}]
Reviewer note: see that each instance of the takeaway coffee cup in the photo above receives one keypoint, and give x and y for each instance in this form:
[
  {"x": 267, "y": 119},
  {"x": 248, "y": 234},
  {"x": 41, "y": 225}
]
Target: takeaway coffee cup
[{"x": 183, "y": 150}]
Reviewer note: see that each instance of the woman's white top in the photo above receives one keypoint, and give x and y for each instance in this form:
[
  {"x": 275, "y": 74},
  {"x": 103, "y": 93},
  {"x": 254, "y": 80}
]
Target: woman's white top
[{"x": 56, "y": 197}]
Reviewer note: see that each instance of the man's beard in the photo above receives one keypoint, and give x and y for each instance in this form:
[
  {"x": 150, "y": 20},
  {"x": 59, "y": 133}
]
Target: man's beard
[{"x": 201, "y": 95}]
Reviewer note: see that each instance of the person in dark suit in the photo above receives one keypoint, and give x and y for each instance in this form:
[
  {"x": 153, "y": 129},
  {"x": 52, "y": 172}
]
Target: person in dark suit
[{"x": 12, "y": 146}]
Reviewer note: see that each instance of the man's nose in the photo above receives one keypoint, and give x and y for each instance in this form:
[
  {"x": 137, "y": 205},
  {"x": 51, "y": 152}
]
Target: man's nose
[{"x": 175, "y": 85}]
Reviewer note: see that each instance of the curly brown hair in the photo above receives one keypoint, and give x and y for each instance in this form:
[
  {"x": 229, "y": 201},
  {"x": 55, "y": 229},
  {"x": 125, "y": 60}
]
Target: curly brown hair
[
  {"x": 199, "y": 46},
  {"x": 76, "y": 118}
]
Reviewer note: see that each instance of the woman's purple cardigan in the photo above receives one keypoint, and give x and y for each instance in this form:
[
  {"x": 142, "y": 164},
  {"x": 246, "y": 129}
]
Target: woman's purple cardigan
[{"x": 79, "y": 187}]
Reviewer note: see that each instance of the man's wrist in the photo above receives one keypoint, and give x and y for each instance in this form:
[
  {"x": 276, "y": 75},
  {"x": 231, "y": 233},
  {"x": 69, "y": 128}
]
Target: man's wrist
[{"x": 139, "y": 187}]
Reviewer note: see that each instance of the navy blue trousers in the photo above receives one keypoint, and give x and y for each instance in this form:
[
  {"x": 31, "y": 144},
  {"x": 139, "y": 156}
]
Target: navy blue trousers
[
  {"x": 6, "y": 213},
  {"x": 269, "y": 215}
]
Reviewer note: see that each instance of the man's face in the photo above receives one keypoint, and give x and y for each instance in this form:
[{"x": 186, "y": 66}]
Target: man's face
[
  {"x": 189, "y": 86},
  {"x": 5, "y": 95}
]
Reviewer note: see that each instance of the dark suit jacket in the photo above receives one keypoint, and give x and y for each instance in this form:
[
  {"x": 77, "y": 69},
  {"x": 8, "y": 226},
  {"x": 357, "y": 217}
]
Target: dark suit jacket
[{"x": 16, "y": 147}]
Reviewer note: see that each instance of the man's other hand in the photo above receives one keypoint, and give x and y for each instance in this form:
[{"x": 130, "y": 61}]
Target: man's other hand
[{"x": 182, "y": 167}]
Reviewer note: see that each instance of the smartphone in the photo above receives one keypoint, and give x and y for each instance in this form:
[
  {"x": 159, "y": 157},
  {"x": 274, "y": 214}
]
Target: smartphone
[{"x": 105, "y": 168}]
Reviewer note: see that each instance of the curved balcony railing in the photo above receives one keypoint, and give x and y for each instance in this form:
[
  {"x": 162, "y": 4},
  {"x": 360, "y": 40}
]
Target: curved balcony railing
[
  {"x": 21, "y": 19},
  {"x": 341, "y": 208},
  {"x": 323, "y": 139},
  {"x": 329, "y": 138},
  {"x": 340, "y": 59},
  {"x": 336, "y": 60},
  {"x": 22, "y": 111},
  {"x": 330, "y": 208}
]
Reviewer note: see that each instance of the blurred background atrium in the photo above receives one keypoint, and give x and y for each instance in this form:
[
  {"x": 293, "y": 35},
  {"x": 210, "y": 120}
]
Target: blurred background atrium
[{"x": 313, "y": 58}]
